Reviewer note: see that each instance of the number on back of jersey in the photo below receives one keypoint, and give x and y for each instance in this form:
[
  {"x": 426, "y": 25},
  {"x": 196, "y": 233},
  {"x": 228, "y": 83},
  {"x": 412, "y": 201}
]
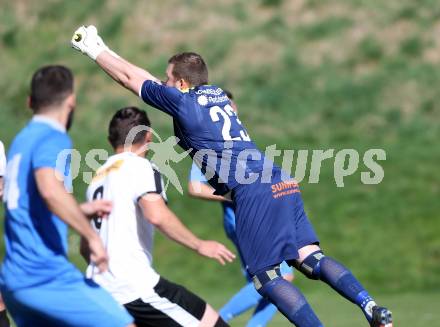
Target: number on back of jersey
[
  {"x": 225, "y": 114},
  {"x": 98, "y": 195}
]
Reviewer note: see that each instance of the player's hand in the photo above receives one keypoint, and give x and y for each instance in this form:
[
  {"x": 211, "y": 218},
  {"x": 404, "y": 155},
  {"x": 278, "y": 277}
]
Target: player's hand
[
  {"x": 87, "y": 41},
  {"x": 100, "y": 208},
  {"x": 215, "y": 250},
  {"x": 98, "y": 254}
]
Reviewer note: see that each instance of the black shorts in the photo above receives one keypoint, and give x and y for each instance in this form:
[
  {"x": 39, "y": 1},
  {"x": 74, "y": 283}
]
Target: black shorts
[{"x": 172, "y": 305}]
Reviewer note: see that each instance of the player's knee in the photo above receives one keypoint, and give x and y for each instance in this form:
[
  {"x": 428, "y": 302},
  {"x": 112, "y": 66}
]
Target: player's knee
[
  {"x": 311, "y": 265},
  {"x": 264, "y": 277}
]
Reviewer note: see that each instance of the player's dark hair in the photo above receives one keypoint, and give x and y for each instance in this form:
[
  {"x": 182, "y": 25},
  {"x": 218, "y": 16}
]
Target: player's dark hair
[
  {"x": 228, "y": 94},
  {"x": 191, "y": 67},
  {"x": 50, "y": 86},
  {"x": 122, "y": 123}
]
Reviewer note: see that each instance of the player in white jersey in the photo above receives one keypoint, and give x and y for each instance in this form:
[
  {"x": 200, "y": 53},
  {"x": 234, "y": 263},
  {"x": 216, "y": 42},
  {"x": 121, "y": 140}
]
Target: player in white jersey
[{"x": 136, "y": 190}]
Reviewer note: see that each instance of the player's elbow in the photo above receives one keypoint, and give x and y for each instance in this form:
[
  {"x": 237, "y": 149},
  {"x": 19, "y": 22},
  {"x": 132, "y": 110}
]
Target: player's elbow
[
  {"x": 124, "y": 80},
  {"x": 48, "y": 194},
  {"x": 153, "y": 208},
  {"x": 191, "y": 190},
  {"x": 194, "y": 189},
  {"x": 155, "y": 219},
  {"x": 131, "y": 81},
  {"x": 123, "y": 77}
]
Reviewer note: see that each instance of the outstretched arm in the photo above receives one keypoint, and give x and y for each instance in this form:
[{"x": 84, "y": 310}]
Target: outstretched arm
[
  {"x": 134, "y": 78},
  {"x": 87, "y": 41},
  {"x": 203, "y": 191},
  {"x": 123, "y": 72},
  {"x": 198, "y": 186},
  {"x": 156, "y": 212}
]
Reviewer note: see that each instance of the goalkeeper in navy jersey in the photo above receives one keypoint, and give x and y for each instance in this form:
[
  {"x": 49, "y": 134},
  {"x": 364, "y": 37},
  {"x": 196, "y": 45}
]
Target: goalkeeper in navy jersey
[{"x": 271, "y": 223}]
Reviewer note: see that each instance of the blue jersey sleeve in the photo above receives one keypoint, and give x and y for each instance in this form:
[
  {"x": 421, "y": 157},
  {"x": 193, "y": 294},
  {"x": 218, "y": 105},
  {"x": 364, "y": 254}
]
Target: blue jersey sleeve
[
  {"x": 196, "y": 174},
  {"x": 53, "y": 152},
  {"x": 164, "y": 98}
]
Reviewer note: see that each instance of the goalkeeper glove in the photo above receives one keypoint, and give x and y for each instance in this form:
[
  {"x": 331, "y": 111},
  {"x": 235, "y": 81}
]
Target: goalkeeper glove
[{"x": 87, "y": 41}]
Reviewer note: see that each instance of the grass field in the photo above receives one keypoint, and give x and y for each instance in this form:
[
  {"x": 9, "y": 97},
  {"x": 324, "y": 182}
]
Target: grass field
[
  {"x": 409, "y": 310},
  {"x": 309, "y": 75}
]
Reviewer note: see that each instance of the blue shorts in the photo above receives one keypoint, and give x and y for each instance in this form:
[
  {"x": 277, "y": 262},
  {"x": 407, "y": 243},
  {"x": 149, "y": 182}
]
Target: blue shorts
[
  {"x": 271, "y": 224},
  {"x": 68, "y": 300},
  {"x": 230, "y": 233}
]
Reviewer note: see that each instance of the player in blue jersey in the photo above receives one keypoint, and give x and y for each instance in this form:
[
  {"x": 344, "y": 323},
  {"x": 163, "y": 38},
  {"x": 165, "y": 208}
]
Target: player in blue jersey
[
  {"x": 39, "y": 285},
  {"x": 271, "y": 224},
  {"x": 247, "y": 297}
]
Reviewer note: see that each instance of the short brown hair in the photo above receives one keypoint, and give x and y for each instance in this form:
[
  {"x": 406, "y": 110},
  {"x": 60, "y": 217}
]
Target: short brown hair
[
  {"x": 191, "y": 67},
  {"x": 50, "y": 85},
  {"x": 123, "y": 121}
]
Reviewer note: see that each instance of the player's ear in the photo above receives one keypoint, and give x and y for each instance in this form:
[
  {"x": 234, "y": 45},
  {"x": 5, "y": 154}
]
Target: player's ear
[
  {"x": 183, "y": 85},
  {"x": 148, "y": 137},
  {"x": 70, "y": 101},
  {"x": 234, "y": 106}
]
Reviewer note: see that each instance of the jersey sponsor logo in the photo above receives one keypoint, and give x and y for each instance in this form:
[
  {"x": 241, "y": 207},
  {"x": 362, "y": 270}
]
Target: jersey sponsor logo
[
  {"x": 284, "y": 188},
  {"x": 211, "y": 95},
  {"x": 202, "y": 100},
  {"x": 210, "y": 91},
  {"x": 103, "y": 173},
  {"x": 221, "y": 99}
]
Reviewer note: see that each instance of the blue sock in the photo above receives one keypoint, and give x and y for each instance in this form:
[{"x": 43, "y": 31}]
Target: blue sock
[
  {"x": 243, "y": 300},
  {"x": 262, "y": 314},
  {"x": 342, "y": 280},
  {"x": 291, "y": 303}
]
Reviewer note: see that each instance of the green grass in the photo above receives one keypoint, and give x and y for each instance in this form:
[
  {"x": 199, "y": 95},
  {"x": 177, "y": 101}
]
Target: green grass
[{"x": 409, "y": 310}]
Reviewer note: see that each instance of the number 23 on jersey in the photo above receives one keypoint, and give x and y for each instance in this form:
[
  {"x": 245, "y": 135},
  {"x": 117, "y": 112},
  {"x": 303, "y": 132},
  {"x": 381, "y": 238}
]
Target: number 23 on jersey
[{"x": 217, "y": 113}]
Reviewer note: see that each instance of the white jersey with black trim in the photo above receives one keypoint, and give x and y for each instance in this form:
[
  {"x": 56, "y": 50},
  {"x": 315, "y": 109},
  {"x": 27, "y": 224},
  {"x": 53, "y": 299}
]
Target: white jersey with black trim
[
  {"x": 127, "y": 235},
  {"x": 2, "y": 160}
]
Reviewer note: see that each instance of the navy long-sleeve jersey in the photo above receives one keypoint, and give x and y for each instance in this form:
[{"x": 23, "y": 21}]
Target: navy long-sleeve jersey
[{"x": 205, "y": 122}]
